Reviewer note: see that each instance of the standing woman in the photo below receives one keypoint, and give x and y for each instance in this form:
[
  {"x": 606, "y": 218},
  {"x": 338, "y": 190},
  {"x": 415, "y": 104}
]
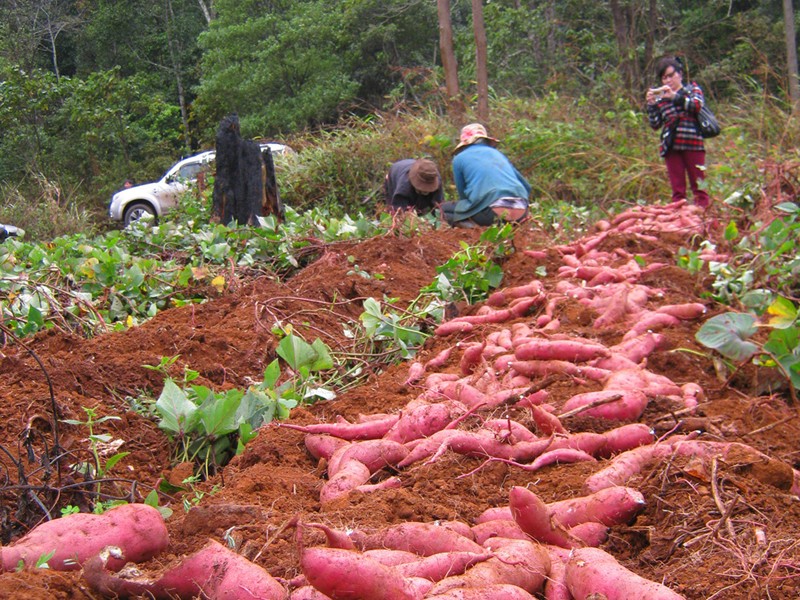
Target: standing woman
[{"x": 674, "y": 107}]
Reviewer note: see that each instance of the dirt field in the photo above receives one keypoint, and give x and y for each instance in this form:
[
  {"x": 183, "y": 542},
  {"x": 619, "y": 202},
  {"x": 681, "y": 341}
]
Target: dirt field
[{"x": 723, "y": 528}]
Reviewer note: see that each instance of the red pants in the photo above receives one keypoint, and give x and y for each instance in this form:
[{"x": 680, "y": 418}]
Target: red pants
[{"x": 682, "y": 164}]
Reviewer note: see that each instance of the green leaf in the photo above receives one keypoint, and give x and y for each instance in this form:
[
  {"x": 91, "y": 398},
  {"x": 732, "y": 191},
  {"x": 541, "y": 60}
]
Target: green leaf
[
  {"x": 731, "y": 231},
  {"x": 177, "y": 412},
  {"x": 323, "y": 360},
  {"x": 271, "y": 374},
  {"x": 218, "y": 414},
  {"x": 727, "y": 334},
  {"x": 296, "y": 352},
  {"x": 113, "y": 461}
]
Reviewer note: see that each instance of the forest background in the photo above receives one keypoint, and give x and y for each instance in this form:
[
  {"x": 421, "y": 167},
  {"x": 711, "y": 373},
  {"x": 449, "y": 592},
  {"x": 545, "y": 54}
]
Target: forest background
[{"x": 93, "y": 92}]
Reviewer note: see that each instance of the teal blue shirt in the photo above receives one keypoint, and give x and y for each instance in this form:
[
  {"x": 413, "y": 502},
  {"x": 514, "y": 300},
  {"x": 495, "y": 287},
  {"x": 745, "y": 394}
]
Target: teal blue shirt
[{"x": 482, "y": 175}]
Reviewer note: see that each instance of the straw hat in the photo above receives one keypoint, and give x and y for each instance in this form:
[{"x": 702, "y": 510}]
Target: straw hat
[
  {"x": 472, "y": 133},
  {"x": 424, "y": 176}
]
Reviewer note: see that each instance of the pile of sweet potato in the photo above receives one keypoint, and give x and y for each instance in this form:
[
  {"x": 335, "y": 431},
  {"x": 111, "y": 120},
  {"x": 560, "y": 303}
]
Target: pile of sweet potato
[{"x": 499, "y": 357}]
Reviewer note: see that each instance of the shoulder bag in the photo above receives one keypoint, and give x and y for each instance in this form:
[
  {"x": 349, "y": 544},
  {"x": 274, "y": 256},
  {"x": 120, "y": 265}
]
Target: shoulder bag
[{"x": 709, "y": 126}]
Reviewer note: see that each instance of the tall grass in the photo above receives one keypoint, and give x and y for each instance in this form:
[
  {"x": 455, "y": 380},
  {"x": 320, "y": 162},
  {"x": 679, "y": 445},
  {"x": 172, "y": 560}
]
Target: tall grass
[{"x": 45, "y": 210}]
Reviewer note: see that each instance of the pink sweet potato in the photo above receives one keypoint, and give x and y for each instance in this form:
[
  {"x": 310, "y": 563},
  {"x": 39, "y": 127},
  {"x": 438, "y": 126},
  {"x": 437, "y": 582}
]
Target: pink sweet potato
[
  {"x": 592, "y": 572},
  {"x": 497, "y": 591},
  {"x": 212, "y": 572},
  {"x": 368, "y": 430},
  {"x": 471, "y": 357},
  {"x": 444, "y": 564},
  {"x": 561, "y": 456},
  {"x": 616, "y": 505},
  {"x": 415, "y": 372},
  {"x": 569, "y": 350},
  {"x": 624, "y": 466},
  {"x": 438, "y": 361},
  {"x": 493, "y": 514},
  {"x": 626, "y": 437},
  {"x": 323, "y": 446},
  {"x": 498, "y": 528},
  {"x": 590, "y": 533},
  {"x": 502, "y": 297},
  {"x": 137, "y": 530},
  {"x": 534, "y": 518},
  {"x": 351, "y": 575},
  {"x": 629, "y": 404},
  {"x": 691, "y": 310},
  {"x": 522, "y": 563},
  {"x": 308, "y": 592},
  {"x": 555, "y": 588},
  {"x": 453, "y": 326},
  {"x": 349, "y": 476},
  {"x": 424, "y": 420},
  {"x": 424, "y": 539},
  {"x": 374, "y": 454},
  {"x": 547, "y": 422}
]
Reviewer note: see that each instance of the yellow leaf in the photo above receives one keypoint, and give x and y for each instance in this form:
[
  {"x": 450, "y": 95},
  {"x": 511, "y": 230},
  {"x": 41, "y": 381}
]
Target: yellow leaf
[
  {"x": 219, "y": 283},
  {"x": 129, "y": 321}
]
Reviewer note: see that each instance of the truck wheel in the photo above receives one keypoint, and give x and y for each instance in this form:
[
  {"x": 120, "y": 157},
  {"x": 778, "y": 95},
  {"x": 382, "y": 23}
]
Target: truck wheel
[{"x": 136, "y": 211}]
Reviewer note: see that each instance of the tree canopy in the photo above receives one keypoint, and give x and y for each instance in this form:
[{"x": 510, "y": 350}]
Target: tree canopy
[{"x": 92, "y": 92}]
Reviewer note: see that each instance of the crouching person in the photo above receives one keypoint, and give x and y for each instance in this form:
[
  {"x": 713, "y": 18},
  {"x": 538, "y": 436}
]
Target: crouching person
[
  {"x": 413, "y": 185},
  {"x": 489, "y": 187}
]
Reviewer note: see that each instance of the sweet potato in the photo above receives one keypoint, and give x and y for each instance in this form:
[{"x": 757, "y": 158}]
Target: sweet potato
[
  {"x": 374, "y": 454},
  {"x": 502, "y": 297},
  {"x": 629, "y": 405},
  {"x": 569, "y": 350},
  {"x": 391, "y": 558},
  {"x": 590, "y": 533},
  {"x": 555, "y": 588},
  {"x": 497, "y": 591},
  {"x": 349, "y": 476},
  {"x": 323, "y": 445},
  {"x": 415, "y": 372},
  {"x": 494, "y": 514},
  {"x": 547, "y": 422},
  {"x": 424, "y": 420},
  {"x": 424, "y": 539},
  {"x": 534, "y": 518},
  {"x": 351, "y": 575},
  {"x": 212, "y": 572},
  {"x": 368, "y": 430},
  {"x": 691, "y": 310},
  {"x": 592, "y": 572},
  {"x": 624, "y": 466},
  {"x": 616, "y": 505},
  {"x": 522, "y": 563},
  {"x": 509, "y": 431},
  {"x": 438, "y": 361},
  {"x": 498, "y": 528},
  {"x": 561, "y": 456},
  {"x": 137, "y": 530},
  {"x": 443, "y": 564},
  {"x": 471, "y": 357},
  {"x": 453, "y": 326},
  {"x": 308, "y": 592}
]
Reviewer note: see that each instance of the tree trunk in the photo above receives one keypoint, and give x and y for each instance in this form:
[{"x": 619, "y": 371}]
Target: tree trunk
[
  {"x": 174, "y": 56},
  {"x": 479, "y": 28},
  {"x": 650, "y": 39},
  {"x": 622, "y": 27},
  {"x": 449, "y": 63},
  {"x": 791, "y": 54},
  {"x": 244, "y": 186},
  {"x": 550, "y": 16}
]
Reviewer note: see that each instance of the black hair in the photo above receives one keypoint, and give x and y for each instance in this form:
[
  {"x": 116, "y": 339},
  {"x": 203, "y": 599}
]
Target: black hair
[{"x": 667, "y": 62}]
